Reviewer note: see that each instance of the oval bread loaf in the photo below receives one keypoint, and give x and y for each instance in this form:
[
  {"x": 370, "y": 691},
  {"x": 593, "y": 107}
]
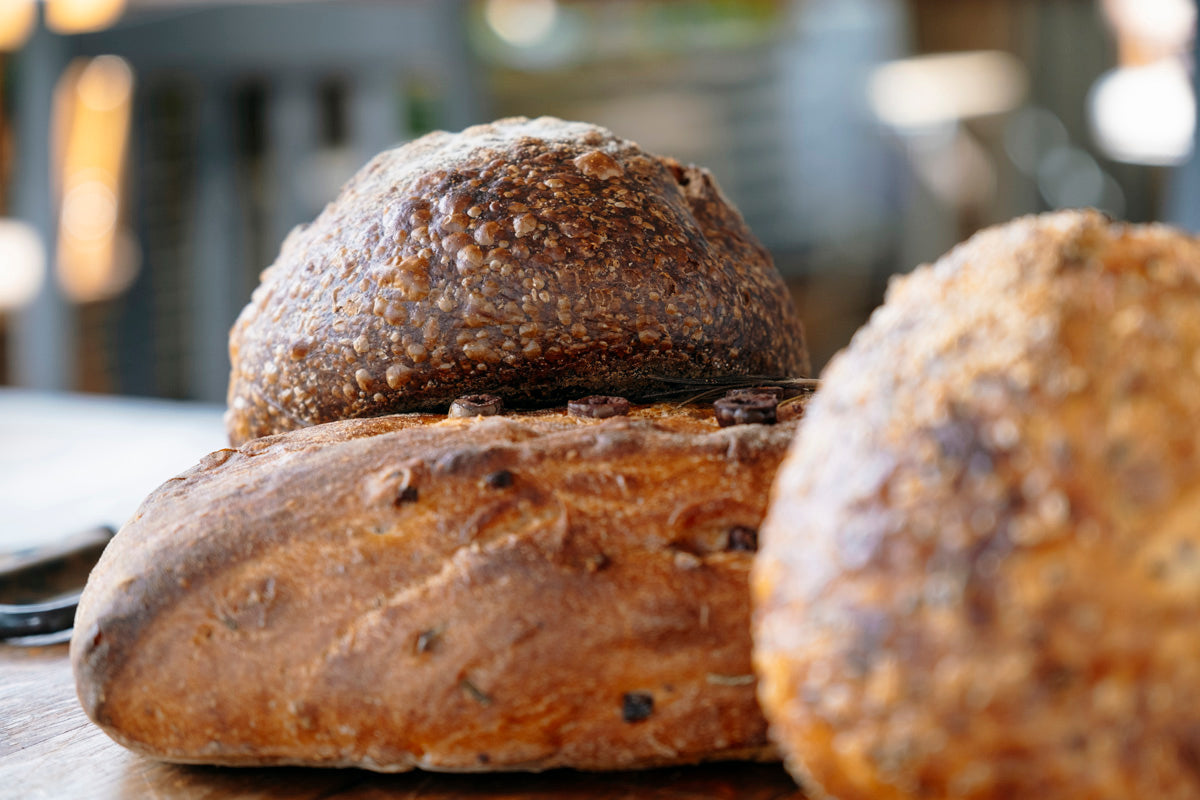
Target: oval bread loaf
[
  {"x": 980, "y": 572},
  {"x": 526, "y": 258},
  {"x": 511, "y": 592}
]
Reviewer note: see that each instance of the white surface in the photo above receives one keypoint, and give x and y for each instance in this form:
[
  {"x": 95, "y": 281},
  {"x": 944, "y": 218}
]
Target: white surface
[
  {"x": 1145, "y": 114},
  {"x": 72, "y": 462}
]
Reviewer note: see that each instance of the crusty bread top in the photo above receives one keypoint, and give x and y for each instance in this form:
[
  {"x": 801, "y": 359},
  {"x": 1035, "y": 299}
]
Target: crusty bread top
[
  {"x": 533, "y": 259},
  {"x": 978, "y": 573}
]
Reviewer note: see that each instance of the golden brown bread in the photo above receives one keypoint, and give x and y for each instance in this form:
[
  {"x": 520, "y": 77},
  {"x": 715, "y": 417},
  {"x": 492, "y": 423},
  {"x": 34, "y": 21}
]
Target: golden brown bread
[
  {"x": 980, "y": 571},
  {"x": 513, "y": 592},
  {"x": 534, "y": 259}
]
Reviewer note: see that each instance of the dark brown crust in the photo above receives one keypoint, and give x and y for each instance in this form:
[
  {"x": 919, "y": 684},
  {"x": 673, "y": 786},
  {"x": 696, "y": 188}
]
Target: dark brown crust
[
  {"x": 534, "y": 259},
  {"x": 449, "y": 594},
  {"x": 979, "y": 575}
]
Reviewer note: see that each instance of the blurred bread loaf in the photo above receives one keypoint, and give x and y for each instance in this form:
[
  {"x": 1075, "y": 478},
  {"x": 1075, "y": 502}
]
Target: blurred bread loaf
[
  {"x": 533, "y": 259},
  {"x": 981, "y": 567},
  {"x": 509, "y": 592}
]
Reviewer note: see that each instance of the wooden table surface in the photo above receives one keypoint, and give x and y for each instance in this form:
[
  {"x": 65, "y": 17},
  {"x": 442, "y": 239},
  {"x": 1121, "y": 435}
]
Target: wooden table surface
[{"x": 49, "y": 749}]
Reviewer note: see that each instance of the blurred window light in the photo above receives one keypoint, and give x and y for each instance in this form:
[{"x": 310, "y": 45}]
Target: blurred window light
[
  {"x": 105, "y": 84},
  {"x": 82, "y": 16},
  {"x": 521, "y": 23},
  {"x": 1069, "y": 177},
  {"x": 933, "y": 90},
  {"x": 92, "y": 110},
  {"x": 1144, "y": 114},
  {"x": 954, "y": 166},
  {"x": 17, "y": 18},
  {"x": 22, "y": 264},
  {"x": 89, "y": 211},
  {"x": 1151, "y": 28},
  {"x": 1030, "y": 134}
]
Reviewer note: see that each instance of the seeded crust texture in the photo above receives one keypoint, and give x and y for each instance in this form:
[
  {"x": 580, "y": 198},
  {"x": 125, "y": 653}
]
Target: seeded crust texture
[
  {"x": 525, "y": 258},
  {"x": 980, "y": 573},
  {"x": 515, "y": 592}
]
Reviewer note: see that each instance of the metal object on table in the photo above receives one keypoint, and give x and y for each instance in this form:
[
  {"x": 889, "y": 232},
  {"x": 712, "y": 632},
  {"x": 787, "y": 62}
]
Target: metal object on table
[
  {"x": 40, "y": 588},
  {"x": 34, "y": 619}
]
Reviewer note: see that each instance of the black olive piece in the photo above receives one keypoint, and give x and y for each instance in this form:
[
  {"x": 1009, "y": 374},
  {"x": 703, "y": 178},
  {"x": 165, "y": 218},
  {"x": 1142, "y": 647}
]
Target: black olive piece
[
  {"x": 774, "y": 391},
  {"x": 598, "y": 406},
  {"x": 475, "y": 693},
  {"x": 476, "y": 405},
  {"x": 636, "y": 706},
  {"x": 426, "y": 640},
  {"x": 500, "y": 479},
  {"x": 408, "y": 494},
  {"x": 746, "y": 409},
  {"x": 742, "y": 539}
]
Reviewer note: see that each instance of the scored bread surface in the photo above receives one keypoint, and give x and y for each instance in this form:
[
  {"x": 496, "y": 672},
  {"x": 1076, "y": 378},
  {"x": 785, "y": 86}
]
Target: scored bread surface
[
  {"x": 514, "y": 592},
  {"x": 533, "y": 259},
  {"x": 980, "y": 572}
]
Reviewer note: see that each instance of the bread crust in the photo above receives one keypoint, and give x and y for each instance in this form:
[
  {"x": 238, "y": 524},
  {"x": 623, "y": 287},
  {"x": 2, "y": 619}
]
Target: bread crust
[
  {"x": 525, "y": 258},
  {"x": 979, "y": 574},
  {"x": 514, "y": 592}
]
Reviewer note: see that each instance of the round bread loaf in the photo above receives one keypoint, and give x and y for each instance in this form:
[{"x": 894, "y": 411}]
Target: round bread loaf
[
  {"x": 533, "y": 259},
  {"x": 980, "y": 571},
  {"x": 511, "y": 592}
]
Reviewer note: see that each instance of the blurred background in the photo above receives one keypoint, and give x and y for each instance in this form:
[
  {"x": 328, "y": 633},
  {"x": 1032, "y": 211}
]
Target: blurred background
[{"x": 153, "y": 153}]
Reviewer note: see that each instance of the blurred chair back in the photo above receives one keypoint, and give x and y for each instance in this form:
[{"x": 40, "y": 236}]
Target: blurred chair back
[{"x": 245, "y": 121}]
